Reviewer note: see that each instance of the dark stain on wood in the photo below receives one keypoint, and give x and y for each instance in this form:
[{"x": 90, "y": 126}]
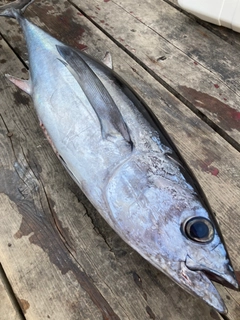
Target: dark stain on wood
[
  {"x": 214, "y": 315},
  {"x": 137, "y": 280},
  {"x": 34, "y": 164},
  {"x": 237, "y": 274},
  {"x": 63, "y": 232},
  {"x": 40, "y": 223},
  {"x": 21, "y": 98},
  {"x": 206, "y": 164},
  {"x": 117, "y": 245},
  {"x": 162, "y": 58},
  {"x": 229, "y": 117},
  {"x": 24, "y": 70},
  {"x": 63, "y": 26},
  {"x": 150, "y": 313},
  {"x": 11, "y": 22},
  {"x": 9, "y": 134},
  {"x": 24, "y": 305}
]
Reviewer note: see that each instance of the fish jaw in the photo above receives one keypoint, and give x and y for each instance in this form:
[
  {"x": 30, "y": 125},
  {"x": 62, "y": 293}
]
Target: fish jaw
[
  {"x": 196, "y": 275},
  {"x": 223, "y": 275},
  {"x": 201, "y": 277},
  {"x": 199, "y": 284}
]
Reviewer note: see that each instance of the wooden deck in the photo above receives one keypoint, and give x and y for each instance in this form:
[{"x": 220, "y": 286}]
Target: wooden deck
[{"x": 59, "y": 259}]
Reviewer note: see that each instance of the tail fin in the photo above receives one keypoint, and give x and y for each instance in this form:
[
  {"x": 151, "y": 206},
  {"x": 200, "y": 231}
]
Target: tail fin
[{"x": 14, "y": 8}]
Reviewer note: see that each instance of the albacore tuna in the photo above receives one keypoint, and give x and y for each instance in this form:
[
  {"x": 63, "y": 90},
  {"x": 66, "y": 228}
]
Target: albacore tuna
[{"x": 125, "y": 163}]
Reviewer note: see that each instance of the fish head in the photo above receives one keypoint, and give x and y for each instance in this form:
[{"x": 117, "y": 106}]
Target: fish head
[
  {"x": 170, "y": 226},
  {"x": 195, "y": 255}
]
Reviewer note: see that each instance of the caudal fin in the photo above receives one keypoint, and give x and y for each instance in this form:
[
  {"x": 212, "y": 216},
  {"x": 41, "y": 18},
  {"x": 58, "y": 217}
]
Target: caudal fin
[{"x": 13, "y": 9}]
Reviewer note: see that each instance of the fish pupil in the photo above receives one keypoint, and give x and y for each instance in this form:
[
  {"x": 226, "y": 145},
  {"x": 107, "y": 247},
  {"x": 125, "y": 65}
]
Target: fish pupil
[{"x": 199, "y": 230}]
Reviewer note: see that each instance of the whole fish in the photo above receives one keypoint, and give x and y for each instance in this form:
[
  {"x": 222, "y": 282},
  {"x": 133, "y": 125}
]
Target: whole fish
[{"x": 125, "y": 163}]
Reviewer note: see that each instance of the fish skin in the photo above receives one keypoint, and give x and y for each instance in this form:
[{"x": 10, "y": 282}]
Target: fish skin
[
  {"x": 107, "y": 111},
  {"x": 145, "y": 193}
]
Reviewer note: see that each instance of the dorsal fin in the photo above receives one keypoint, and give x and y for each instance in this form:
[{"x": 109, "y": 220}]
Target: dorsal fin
[{"x": 110, "y": 118}]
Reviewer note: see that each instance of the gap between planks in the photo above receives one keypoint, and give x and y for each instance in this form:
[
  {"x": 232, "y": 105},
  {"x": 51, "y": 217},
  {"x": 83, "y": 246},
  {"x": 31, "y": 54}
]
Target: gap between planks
[{"x": 12, "y": 297}]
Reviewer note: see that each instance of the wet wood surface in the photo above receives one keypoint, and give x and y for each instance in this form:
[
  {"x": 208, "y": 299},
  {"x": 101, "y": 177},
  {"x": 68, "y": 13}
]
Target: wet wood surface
[{"x": 59, "y": 259}]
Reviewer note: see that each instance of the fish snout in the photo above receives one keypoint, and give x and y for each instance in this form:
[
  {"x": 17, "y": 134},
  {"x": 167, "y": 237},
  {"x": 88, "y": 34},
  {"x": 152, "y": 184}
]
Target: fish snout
[{"x": 222, "y": 272}]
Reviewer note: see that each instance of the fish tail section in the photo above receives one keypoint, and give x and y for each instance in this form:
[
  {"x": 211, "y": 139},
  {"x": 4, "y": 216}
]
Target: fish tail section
[{"x": 15, "y": 8}]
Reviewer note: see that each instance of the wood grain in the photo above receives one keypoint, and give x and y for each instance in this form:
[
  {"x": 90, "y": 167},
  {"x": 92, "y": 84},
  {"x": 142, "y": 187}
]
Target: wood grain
[
  {"x": 228, "y": 35},
  {"x": 196, "y": 65},
  {"x": 9, "y": 308}
]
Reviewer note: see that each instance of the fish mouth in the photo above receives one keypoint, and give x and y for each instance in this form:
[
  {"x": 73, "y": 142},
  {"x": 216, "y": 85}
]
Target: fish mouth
[
  {"x": 225, "y": 277},
  {"x": 201, "y": 278},
  {"x": 229, "y": 281}
]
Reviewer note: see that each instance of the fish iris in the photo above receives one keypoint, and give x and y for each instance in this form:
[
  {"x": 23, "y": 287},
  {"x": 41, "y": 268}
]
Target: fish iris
[{"x": 199, "y": 230}]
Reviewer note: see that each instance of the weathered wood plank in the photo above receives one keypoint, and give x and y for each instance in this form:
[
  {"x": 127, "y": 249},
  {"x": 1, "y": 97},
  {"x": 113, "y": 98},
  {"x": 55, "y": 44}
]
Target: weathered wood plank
[
  {"x": 9, "y": 309},
  {"x": 228, "y": 35},
  {"x": 116, "y": 273},
  {"x": 198, "y": 66}
]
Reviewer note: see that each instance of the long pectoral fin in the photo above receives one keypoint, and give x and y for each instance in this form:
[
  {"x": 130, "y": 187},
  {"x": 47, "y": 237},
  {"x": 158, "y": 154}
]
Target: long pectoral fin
[
  {"x": 110, "y": 118},
  {"x": 24, "y": 85}
]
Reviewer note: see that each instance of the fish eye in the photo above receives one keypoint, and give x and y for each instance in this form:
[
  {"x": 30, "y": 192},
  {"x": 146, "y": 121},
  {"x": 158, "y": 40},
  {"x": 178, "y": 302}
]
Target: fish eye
[{"x": 198, "y": 229}]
